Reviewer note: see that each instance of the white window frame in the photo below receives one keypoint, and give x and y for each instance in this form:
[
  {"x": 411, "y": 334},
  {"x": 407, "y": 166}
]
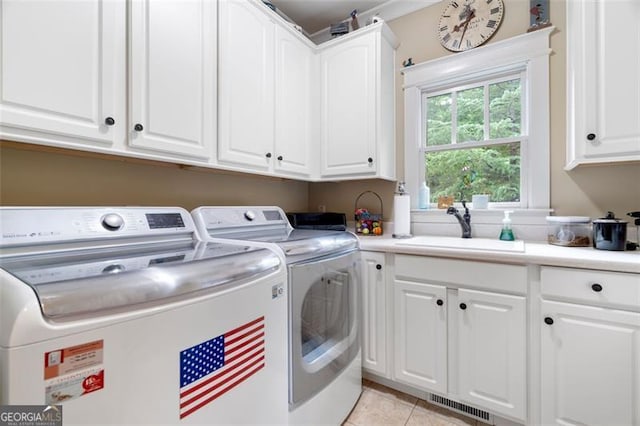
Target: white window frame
[
  {"x": 521, "y": 139},
  {"x": 527, "y": 53}
]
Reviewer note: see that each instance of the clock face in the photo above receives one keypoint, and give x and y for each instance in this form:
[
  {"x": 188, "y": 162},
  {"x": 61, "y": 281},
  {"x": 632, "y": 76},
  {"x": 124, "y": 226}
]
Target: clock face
[{"x": 466, "y": 24}]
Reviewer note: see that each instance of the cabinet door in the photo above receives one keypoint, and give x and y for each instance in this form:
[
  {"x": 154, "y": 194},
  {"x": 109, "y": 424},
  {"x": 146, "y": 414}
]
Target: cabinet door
[
  {"x": 348, "y": 107},
  {"x": 374, "y": 314},
  {"x": 492, "y": 338},
  {"x": 590, "y": 365},
  {"x": 420, "y": 332},
  {"x": 246, "y": 85},
  {"x": 63, "y": 72},
  {"x": 603, "y": 41},
  {"x": 294, "y": 71},
  {"x": 173, "y": 76}
]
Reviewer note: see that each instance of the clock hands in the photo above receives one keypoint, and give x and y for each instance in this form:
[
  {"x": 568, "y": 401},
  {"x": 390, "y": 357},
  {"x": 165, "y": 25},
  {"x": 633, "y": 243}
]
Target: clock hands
[{"x": 466, "y": 24}]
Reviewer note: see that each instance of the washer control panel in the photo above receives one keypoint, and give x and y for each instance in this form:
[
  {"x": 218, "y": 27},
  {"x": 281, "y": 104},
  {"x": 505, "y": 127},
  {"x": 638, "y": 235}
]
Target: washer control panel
[{"x": 28, "y": 226}]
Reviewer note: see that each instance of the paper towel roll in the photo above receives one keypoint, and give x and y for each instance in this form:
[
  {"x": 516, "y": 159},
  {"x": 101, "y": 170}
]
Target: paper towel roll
[{"x": 401, "y": 215}]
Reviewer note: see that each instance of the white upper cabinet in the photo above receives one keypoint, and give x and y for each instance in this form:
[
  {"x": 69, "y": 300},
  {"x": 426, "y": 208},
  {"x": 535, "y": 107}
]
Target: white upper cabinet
[
  {"x": 295, "y": 71},
  {"x": 265, "y": 88},
  {"x": 603, "y": 98},
  {"x": 357, "y": 112},
  {"x": 246, "y": 85},
  {"x": 226, "y": 84},
  {"x": 63, "y": 72},
  {"x": 172, "y": 103}
]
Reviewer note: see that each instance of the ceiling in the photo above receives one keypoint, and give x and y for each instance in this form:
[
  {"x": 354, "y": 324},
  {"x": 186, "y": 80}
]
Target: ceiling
[{"x": 316, "y": 15}]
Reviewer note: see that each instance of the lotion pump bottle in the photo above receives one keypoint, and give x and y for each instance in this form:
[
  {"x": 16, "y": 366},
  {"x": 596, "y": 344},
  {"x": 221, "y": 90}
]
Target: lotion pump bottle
[
  {"x": 507, "y": 233},
  {"x": 423, "y": 196}
]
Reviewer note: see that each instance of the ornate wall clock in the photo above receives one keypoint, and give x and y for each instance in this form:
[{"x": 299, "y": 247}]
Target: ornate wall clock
[{"x": 466, "y": 24}]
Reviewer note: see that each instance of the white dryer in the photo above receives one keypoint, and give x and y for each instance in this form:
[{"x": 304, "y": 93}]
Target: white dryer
[
  {"x": 325, "y": 376},
  {"x": 121, "y": 316}
]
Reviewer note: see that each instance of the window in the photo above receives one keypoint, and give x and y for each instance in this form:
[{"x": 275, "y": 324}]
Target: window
[
  {"x": 477, "y": 122},
  {"x": 472, "y": 137}
]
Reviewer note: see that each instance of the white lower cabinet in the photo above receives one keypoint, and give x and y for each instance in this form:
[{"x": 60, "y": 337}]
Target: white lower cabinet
[
  {"x": 374, "y": 313},
  {"x": 420, "y": 330},
  {"x": 492, "y": 341},
  {"x": 590, "y": 341},
  {"x": 458, "y": 332}
]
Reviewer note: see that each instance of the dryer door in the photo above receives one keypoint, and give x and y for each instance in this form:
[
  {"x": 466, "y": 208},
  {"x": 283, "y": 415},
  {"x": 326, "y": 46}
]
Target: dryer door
[{"x": 323, "y": 308}]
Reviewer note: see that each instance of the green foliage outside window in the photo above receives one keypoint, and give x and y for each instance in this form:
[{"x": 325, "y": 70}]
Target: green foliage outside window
[{"x": 493, "y": 170}]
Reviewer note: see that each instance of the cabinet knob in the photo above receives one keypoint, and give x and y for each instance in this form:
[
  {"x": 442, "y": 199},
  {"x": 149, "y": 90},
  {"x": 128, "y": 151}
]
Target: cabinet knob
[
  {"x": 279, "y": 157},
  {"x": 591, "y": 136},
  {"x": 378, "y": 266},
  {"x": 268, "y": 155},
  {"x": 596, "y": 287},
  {"x": 138, "y": 127},
  {"x": 109, "y": 121},
  {"x": 370, "y": 160},
  {"x": 439, "y": 302},
  {"x": 548, "y": 320},
  {"x": 463, "y": 306}
]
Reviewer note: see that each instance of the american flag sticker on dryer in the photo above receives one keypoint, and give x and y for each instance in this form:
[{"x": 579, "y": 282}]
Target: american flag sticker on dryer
[{"x": 213, "y": 368}]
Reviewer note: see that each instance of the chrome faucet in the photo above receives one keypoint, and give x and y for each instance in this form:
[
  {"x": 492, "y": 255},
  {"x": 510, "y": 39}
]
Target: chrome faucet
[{"x": 464, "y": 220}]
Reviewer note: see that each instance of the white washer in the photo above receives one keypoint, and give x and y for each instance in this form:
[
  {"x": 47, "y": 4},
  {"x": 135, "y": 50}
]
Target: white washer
[
  {"x": 121, "y": 316},
  {"x": 325, "y": 378}
]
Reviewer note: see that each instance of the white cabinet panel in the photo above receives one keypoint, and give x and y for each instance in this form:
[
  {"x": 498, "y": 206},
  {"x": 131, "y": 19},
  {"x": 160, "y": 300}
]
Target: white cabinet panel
[
  {"x": 63, "y": 71},
  {"x": 603, "y": 100},
  {"x": 348, "y": 107},
  {"x": 590, "y": 365},
  {"x": 491, "y": 345},
  {"x": 173, "y": 76},
  {"x": 374, "y": 313},
  {"x": 245, "y": 85},
  {"x": 294, "y": 72},
  {"x": 357, "y": 112},
  {"x": 420, "y": 330}
]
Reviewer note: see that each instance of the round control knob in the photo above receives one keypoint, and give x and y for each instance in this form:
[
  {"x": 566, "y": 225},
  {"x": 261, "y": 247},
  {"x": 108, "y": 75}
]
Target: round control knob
[
  {"x": 109, "y": 121},
  {"x": 378, "y": 266},
  {"x": 439, "y": 302},
  {"x": 591, "y": 136},
  {"x": 112, "y": 222},
  {"x": 548, "y": 320},
  {"x": 249, "y": 215},
  {"x": 596, "y": 287},
  {"x": 463, "y": 306},
  {"x": 138, "y": 127},
  {"x": 280, "y": 157}
]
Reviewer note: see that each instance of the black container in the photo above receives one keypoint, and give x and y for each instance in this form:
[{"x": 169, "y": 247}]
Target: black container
[{"x": 609, "y": 233}]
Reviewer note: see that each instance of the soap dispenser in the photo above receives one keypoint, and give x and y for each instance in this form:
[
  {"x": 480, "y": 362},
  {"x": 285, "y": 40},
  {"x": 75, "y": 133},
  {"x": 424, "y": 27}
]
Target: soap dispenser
[{"x": 507, "y": 233}]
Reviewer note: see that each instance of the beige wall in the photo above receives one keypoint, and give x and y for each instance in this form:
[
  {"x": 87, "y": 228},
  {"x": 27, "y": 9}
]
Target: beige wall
[
  {"x": 65, "y": 178},
  {"x": 588, "y": 191}
]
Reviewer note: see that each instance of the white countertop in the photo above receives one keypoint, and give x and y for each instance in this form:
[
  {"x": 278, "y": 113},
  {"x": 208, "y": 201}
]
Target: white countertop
[{"x": 534, "y": 253}]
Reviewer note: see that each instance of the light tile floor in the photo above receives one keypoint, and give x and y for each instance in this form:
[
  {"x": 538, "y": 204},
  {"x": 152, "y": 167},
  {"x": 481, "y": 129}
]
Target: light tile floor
[{"x": 380, "y": 405}]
